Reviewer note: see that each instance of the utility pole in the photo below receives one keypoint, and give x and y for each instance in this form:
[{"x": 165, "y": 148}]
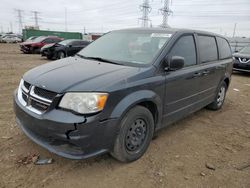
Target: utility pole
[
  {"x": 20, "y": 19},
  {"x": 36, "y": 18},
  {"x": 145, "y": 9},
  {"x": 66, "y": 27},
  {"x": 234, "y": 29},
  {"x": 165, "y": 11}
]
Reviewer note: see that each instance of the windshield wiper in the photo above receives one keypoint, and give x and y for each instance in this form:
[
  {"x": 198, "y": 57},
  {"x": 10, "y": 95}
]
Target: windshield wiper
[{"x": 99, "y": 59}]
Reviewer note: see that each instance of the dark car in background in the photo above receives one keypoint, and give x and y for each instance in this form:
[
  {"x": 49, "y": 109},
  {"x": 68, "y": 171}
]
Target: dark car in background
[
  {"x": 63, "y": 49},
  {"x": 35, "y": 45},
  {"x": 122, "y": 88},
  {"x": 242, "y": 60}
]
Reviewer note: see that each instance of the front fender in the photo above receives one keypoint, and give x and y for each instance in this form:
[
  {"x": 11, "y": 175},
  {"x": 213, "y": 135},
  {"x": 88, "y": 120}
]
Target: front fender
[{"x": 135, "y": 98}]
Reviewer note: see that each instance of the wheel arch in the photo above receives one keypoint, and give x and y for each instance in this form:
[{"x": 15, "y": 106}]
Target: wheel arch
[
  {"x": 146, "y": 98},
  {"x": 227, "y": 81}
]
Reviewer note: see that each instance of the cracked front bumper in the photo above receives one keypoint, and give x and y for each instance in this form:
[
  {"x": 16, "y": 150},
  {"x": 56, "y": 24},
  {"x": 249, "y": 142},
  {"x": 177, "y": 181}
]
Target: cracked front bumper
[{"x": 66, "y": 134}]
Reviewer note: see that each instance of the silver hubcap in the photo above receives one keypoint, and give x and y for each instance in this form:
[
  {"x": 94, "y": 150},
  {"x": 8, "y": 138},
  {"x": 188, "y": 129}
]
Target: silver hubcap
[
  {"x": 221, "y": 96},
  {"x": 61, "y": 55}
]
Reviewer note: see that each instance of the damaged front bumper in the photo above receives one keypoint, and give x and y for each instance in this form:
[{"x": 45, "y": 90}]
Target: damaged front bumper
[{"x": 66, "y": 134}]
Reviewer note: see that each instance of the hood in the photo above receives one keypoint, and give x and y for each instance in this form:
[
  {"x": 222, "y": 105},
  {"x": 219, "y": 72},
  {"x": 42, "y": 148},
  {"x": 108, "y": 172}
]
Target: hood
[
  {"x": 28, "y": 43},
  {"x": 241, "y": 55},
  {"x": 77, "y": 74}
]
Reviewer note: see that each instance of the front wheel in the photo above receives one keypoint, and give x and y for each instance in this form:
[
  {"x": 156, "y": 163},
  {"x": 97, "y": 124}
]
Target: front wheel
[
  {"x": 220, "y": 97},
  {"x": 136, "y": 132},
  {"x": 61, "y": 55}
]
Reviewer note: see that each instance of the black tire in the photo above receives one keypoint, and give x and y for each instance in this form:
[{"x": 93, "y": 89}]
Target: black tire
[
  {"x": 136, "y": 132},
  {"x": 220, "y": 98},
  {"x": 49, "y": 57},
  {"x": 61, "y": 55}
]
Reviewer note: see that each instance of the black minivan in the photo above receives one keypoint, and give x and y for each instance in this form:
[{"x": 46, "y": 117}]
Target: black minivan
[{"x": 122, "y": 88}]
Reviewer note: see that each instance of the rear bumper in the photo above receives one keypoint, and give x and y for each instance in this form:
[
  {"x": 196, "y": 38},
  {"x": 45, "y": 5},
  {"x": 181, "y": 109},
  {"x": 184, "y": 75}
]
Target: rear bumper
[{"x": 66, "y": 134}]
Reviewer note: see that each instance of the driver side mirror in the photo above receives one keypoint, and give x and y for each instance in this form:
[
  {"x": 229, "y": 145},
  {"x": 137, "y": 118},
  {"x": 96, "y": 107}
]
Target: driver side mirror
[
  {"x": 174, "y": 63},
  {"x": 70, "y": 45}
]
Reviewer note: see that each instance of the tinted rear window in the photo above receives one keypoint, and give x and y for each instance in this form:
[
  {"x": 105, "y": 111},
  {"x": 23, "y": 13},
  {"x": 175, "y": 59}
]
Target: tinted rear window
[
  {"x": 224, "y": 48},
  {"x": 208, "y": 48}
]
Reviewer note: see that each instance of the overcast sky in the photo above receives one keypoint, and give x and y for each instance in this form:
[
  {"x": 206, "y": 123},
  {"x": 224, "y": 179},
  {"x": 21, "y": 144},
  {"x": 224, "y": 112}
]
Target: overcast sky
[{"x": 104, "y": 15}]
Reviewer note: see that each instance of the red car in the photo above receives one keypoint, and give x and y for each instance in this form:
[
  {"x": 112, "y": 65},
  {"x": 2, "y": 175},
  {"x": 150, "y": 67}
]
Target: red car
[{"x": 35, "y": 45}]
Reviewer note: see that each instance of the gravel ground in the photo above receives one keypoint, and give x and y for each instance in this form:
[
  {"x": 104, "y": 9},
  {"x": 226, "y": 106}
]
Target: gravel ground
[{"x": 180, "y": 156}]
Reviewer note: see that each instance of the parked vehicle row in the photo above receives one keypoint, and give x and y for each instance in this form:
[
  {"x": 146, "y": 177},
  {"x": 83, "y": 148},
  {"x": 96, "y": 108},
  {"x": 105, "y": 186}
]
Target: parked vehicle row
[
  {"x": 52, "y": 47},
  {"x": 35, "y": 45},
  {"x": 10, "y": 38},
  {"x": 63, "y": 49}
]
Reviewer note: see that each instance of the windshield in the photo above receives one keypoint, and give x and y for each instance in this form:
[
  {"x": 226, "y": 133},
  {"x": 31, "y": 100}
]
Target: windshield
[
  {"x": 66, "y": 42},
  {"x": 39, "y": 39},
  {"x": 245, "y": 50},
  {"x": 128, "y": 47}
]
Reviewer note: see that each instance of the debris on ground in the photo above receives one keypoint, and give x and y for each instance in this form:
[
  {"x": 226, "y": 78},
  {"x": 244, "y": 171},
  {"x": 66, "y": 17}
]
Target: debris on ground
[
  {"x": 243, "y": 167},
  {"x": 24, "y": 160},
  {"x": 7, "y": 137},
  {"x": 43, "y": 161},
  {"x": 202, "y": 174},
  {"x": 236, "y": 89},
  {"x": 247, "y": 112},
  {"x": 210, "y": 166},
  {"x": 35, "y": 159},
  {"x": 161, "y": 174}
]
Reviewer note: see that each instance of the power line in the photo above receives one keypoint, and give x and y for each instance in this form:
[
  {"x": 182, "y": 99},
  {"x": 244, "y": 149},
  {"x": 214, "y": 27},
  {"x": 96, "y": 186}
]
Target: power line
[
  {"x": 36, "y": 18},
  {"x": 20, "y": 19},
  {"x": 165, "y": 10},
  {"x": 146, "y": 9}
]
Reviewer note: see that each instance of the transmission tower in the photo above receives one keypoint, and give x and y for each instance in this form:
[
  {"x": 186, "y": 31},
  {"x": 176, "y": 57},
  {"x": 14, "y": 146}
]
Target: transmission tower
[
  {"x": 146, "y": 9},
  {"x": 36, "y": 18},
  {"x": 20, "y": 19},
  {"x": 165, "y": 11}
]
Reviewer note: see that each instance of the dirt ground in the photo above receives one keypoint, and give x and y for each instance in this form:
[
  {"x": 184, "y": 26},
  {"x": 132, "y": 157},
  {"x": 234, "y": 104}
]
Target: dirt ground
[{"x": 176, "y": 158}]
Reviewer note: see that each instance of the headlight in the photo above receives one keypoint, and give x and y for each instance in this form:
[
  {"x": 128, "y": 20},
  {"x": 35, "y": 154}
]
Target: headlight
[{"x": 84, "y": 103}]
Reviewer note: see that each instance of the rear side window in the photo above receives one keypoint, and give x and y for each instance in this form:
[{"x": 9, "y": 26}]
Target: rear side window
[
  {"x": 55, "y": 40},
  {"x": 224, "y": 48},
  {"x": 48, "y": 40},
  {"x": 84, "y": 43},
  {"x": 185, "y": 47},
  {"x": 75, "y": 43},
  {"x": 208, "y": 48}
]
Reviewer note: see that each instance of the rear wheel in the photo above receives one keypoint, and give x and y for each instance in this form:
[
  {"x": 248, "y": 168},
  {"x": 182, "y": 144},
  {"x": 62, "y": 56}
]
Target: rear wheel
[
  {"x": 220, "y": 97},
  {"x": 136, "y": 132}
]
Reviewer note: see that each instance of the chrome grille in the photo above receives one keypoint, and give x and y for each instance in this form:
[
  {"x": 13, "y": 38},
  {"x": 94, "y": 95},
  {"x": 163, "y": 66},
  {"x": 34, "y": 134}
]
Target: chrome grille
[
  {"x": 26, "y": 85},
  {"x": 45, "y": 93},
  {"x": 34, "y": 98}
]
